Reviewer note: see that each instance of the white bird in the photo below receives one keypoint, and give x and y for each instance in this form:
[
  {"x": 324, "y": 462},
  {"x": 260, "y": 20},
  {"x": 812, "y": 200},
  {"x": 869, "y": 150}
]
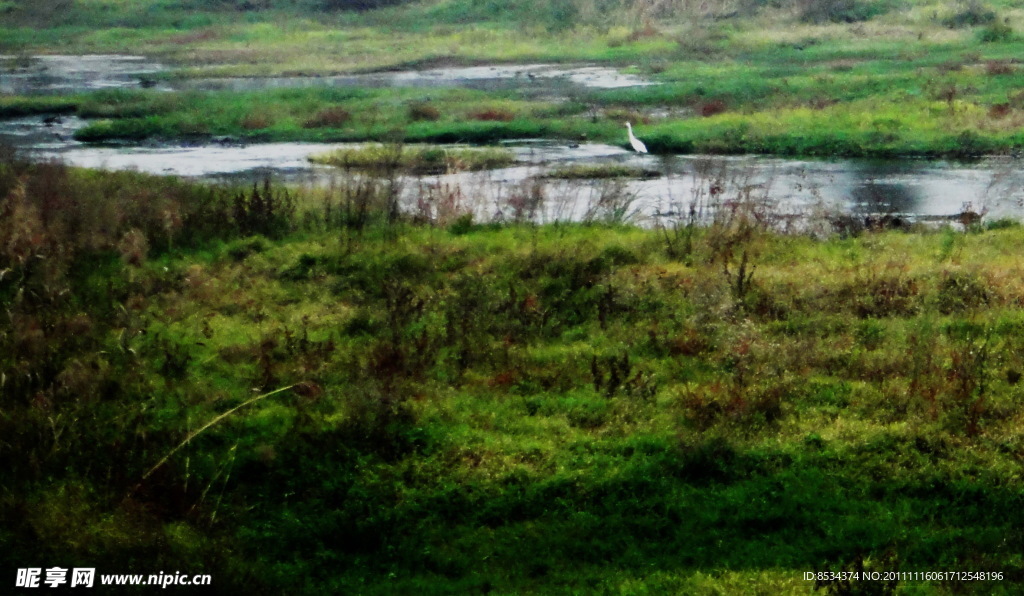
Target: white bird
[{"x": 637, "y": 144}]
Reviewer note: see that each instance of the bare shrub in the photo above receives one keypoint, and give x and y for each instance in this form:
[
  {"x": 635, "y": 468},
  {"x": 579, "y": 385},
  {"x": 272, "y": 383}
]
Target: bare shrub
[
  {"x": 712, "y": 108},
  {"x": 256, "y": 121},
  {"x": 423, "y": 112},
  {"x": 839, "y": 11},
  {"x": 742, "y": 213},
  {"x": 264, "y": 210},
  {"x": 611, "y": 201},
  {"x": 364, "y": 188},
  {"x": 524, "y": 201},
  {"x": 494, "y": 115},
  {"x": 999, "y": 111},
  {"x": 967, "y": 378},
  {"x": 441, "y": 202},
  {"x": 357, "y": 5},
  {"x": 133, "y": 247},
  {"x": 882, "y": 291},
  {"x": 971, "y": 14},
  {"x": 999, "y": 67},
  {"x": 334, "y": 117}
]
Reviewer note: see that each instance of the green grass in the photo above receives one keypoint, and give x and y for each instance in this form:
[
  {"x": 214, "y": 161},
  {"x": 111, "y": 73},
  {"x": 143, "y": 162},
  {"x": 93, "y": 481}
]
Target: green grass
[
  {"x": 517, "y": 409},
  {"x": 452, "y": 116},
  {"x": 913, "y": 126},
  {"x": 776, "y": 80},
  {"x": 15, "y": 107},
  {"x": 511, "y": 409},
  {"x": 591, "y": 172}
]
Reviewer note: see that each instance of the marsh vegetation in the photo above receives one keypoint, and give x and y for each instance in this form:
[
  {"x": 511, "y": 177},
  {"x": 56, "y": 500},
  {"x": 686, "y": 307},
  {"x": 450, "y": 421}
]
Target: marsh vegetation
[
  {"x": 853, "y": 78},
  {"x": 335, "y": 389},
  {"x": 417, "y": 159},
  {"x": 504, "y": 408}
]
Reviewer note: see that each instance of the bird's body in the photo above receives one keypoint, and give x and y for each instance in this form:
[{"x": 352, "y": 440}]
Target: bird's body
[{"x": 636, "y": 143}]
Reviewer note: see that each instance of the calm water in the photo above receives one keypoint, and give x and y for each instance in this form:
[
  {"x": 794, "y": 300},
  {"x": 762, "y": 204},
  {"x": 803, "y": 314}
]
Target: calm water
[
  {"x": 56, "y": 75},
  {"x": 61, "y": 75},
  {"x": 913, "y": 187},
  {"x": 534, "y": 80}
]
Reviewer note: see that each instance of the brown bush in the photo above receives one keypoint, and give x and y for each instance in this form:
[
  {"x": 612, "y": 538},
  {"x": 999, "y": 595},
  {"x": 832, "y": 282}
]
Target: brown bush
[
  {"x": 1000, "y": 110},
  {"x": 334, "y": 117},
  {"x": 712, "y": 107},
  {"x": 133, "y": 247},
  {"x": 494, "y": 115},
  {"x": 621, "y": 115},
  {"x": 424, "y": 111},
  {"x": 999, "y": 67},
  {"x": 645, "y": 32},
  {"x": 950, "y": 66},
  {"x": 820, "y": 103},
  {"x": 256, "y": 121}
]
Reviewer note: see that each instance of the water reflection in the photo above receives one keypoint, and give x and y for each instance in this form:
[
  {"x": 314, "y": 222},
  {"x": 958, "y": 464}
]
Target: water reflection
[
  {"x": 49, "y": 75},
  {"x": 884, "y": 197},
  {"x": 530, "y": 79},
  {"x": 54, "y": 75}
]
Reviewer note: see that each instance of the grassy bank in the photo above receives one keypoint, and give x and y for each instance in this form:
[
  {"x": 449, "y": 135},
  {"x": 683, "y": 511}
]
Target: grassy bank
[
  {"x": 863, "y": 128},
  {"x": 332, "y": 115},
  {"x": 505, "y": 409}
]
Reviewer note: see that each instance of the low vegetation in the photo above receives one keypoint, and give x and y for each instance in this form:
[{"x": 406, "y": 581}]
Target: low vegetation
[
  {"x": 342, "y": 390},
  {"x": 418, "y": 160},
  {"x": 836, "y": 78},
  {"x": 600, "y": 171},
  {"x": 946, "y": 124},
  {"x": 312, "y": 392}
]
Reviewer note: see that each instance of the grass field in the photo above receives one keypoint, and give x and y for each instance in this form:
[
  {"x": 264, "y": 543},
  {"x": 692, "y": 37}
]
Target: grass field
[
  {"x": 842, "y": 77},
  {"x": 428, "y": 405},
  {"x": 312, "y": 391}
]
